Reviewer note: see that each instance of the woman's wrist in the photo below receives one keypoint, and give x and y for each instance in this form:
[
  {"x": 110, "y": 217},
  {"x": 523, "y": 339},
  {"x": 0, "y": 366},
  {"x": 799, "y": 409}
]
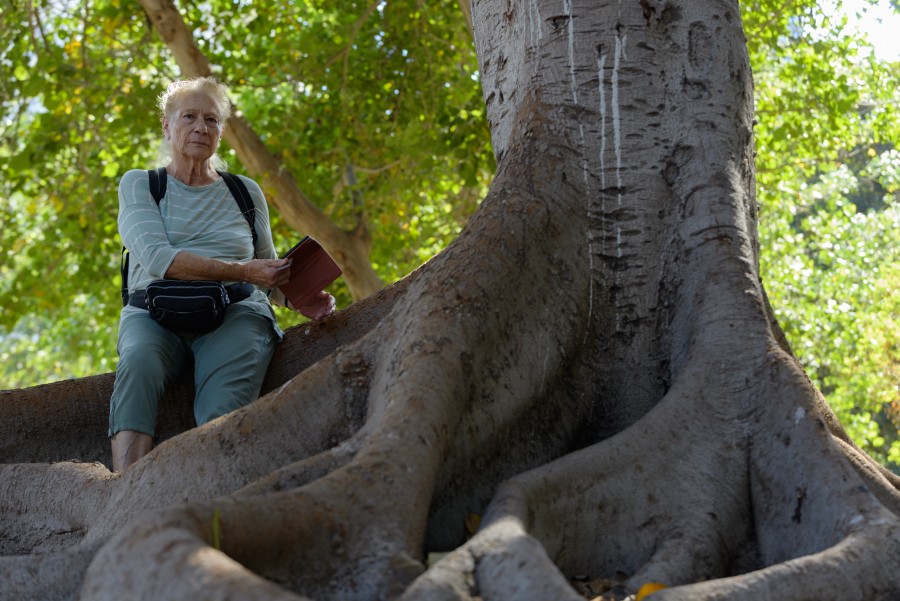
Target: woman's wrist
[{"x": 243, "y": 272}]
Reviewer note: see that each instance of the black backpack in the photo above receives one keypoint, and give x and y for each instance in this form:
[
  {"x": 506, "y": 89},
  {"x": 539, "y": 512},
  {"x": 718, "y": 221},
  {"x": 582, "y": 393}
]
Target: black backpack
[{"x": 158, "y": 190}]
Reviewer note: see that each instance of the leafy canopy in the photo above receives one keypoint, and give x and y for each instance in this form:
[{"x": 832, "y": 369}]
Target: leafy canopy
[
  {"x": 374, "y": 107},
  {"x": 828, "y": 187}
]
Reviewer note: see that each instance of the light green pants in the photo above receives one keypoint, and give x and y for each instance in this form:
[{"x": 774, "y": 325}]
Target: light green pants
[{"x": 229, "y": 366}]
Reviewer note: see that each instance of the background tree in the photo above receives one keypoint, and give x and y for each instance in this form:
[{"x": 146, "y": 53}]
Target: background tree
[
  {"x": 597, "y": 339},
  {"x": 382, "y": 91}
]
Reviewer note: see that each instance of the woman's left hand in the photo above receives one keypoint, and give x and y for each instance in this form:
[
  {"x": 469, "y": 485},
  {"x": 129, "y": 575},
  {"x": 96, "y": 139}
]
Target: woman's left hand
[{"x": 322, "y": 306}]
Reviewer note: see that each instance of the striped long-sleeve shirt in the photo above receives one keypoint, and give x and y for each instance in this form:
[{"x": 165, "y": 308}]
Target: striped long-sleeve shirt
[{"x": 203, "y": 220}]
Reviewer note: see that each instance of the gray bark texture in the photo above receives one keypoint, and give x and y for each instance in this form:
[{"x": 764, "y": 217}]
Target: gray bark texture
[{"x": 591, "y": 368}]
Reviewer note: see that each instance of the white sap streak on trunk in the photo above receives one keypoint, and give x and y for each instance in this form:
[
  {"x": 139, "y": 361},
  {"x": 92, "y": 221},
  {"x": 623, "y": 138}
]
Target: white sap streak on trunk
[
  {"x": 567, "y": 7},
  {"x": 617, "y": 134},
  {"x": 617, "y": 129},
  {"x": 585, "y": 166},
  {"x": 585, "y": 169},
  {"x": 617, "y": 147},
  {"x": 601, "y": 65},
  {"x": 534, "y": 18}
]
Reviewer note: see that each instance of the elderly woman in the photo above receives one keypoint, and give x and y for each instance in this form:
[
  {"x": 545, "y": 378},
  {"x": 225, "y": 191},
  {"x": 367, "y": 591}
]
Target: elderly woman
[{"x": 196, "y": 232}]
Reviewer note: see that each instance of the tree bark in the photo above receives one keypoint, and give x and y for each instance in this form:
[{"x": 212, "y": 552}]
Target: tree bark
[
  {"x": 350, "y": 249},
  {"x": 591, "y": 366}
]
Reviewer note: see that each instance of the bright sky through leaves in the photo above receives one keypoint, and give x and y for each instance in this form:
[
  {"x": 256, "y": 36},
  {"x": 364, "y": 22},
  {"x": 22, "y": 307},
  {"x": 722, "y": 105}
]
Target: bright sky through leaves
[{"x": 881, "y": 23}]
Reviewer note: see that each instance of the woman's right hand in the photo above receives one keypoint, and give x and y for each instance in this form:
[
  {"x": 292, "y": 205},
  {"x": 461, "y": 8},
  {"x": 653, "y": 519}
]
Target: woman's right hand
[
  {"x": 321, "y": 306},
  {"x": 268, "y": 273}
]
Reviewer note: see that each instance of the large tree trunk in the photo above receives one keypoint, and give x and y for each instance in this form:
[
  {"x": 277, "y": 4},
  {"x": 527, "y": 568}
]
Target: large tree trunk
[{"x": 592, "y": 366}]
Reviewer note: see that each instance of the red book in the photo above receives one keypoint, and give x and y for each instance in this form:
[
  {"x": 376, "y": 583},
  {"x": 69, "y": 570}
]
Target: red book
[{"x": 312, "y": 269}]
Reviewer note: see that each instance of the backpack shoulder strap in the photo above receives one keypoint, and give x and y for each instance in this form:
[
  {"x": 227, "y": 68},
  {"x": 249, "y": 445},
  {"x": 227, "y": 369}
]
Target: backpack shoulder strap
[
  {"x": 158, "y": 182},
  {"x": 123, "y": 270},
  {"x": 242, "y": 196}
]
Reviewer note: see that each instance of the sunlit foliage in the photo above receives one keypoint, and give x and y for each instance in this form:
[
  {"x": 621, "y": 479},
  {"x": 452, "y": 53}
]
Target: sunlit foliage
[
  {"x": 375, "y": 108},
  {"x": 827, "y": 175}
]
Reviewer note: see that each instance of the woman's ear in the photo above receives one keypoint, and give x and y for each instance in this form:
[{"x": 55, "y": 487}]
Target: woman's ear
[{"x": 165, "y": 128}]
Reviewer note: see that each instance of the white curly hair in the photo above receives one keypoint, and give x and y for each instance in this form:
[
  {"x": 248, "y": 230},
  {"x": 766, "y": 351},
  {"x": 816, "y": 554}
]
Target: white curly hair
[{"x": 168, "y": 101}]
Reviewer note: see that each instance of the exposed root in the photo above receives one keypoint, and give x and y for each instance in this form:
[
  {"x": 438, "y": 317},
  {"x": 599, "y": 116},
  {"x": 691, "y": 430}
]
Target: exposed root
[
  {"x": 288, "y": 425},
  {"x": 56, "y": 523},
  {"x": 178, "y": 542},
  {"x": 450, "y": 579},
  {"x": 305, "y": 471},
  {"x": 637, "y": 503},
  {"x": 293, "y": 541},
  {"x": 878, "y": 479},
  {"x": 871, "y": 575},
  {"x": 54, "y": 576},
  {"x": 343, "y": 534},
  {"x": 168, "y": 475},
  {"x": 514, "y": 565},
  {"x": 667, "y": 501}
]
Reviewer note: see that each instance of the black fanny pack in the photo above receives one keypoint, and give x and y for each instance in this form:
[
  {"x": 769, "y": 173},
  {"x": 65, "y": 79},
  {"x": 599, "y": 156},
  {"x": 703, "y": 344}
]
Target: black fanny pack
[{"x": 192, "y": 306}]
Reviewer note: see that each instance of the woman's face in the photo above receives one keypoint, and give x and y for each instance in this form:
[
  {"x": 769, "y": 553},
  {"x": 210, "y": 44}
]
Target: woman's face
[{"x": 194, "y": 127}]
